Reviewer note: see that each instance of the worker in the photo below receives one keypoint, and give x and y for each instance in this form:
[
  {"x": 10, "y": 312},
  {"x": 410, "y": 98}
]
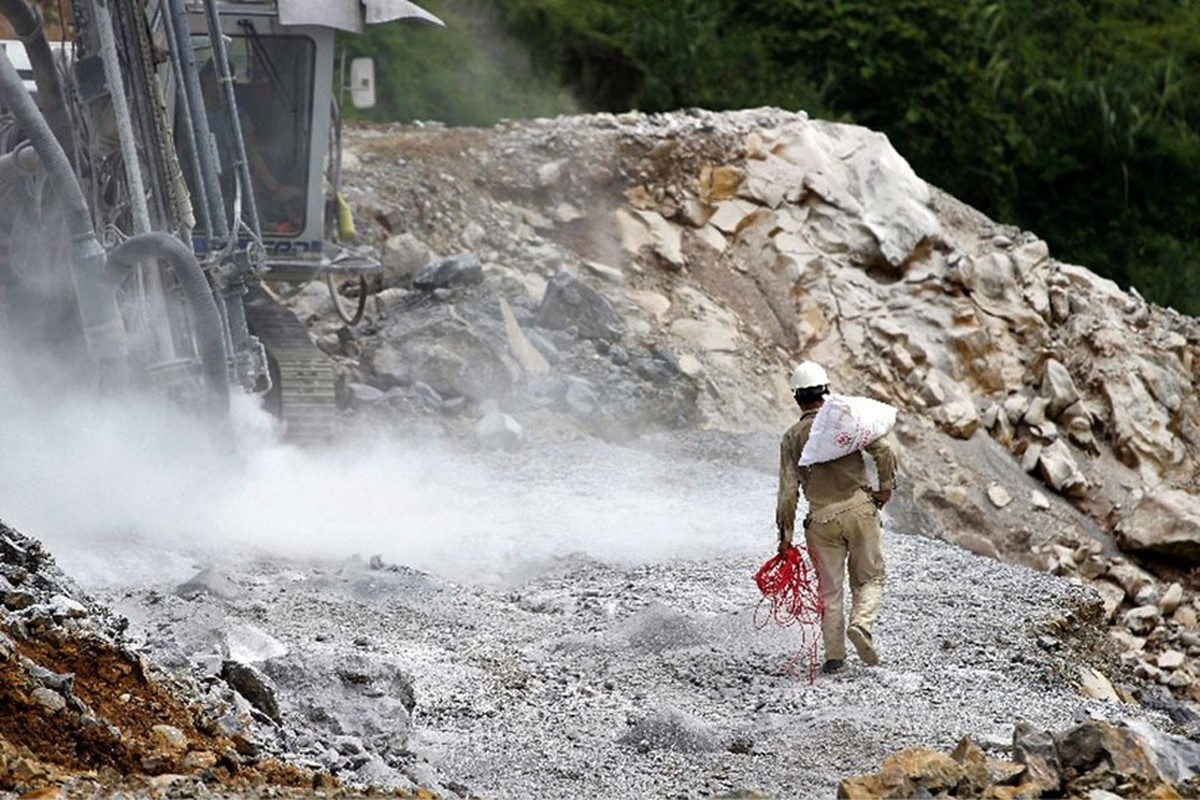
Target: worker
[{"x": 842, "y": 529}]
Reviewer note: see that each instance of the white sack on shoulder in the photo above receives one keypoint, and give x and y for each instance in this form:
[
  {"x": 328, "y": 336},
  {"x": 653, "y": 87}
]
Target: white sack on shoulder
[{"x": 845, "y": 425}]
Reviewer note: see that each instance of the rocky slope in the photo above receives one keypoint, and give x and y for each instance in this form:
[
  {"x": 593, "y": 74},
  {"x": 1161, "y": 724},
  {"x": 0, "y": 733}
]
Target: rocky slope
[
  {"x": 607, "y": 274},
  {"x": 559, "y": 299},
  {"x": 82, "y": 710}
]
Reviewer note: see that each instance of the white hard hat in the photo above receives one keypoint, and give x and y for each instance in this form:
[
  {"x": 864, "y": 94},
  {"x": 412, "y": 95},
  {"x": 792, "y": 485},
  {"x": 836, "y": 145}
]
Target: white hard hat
[{"x": 809, "y": 375}]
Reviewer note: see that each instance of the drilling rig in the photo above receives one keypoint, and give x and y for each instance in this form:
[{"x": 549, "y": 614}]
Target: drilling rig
[{"x": 172, "y": 174}]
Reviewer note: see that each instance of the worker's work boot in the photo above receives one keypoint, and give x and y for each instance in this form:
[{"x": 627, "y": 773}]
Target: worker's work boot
[
  {"x": 863, "y": 645},
  {"x": 833, "y": 665}
]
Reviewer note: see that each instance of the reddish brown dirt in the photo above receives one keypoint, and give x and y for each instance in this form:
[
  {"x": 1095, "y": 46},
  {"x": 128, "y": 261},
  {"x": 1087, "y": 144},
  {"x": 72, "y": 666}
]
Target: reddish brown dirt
[{"x": 39, "y": 746}]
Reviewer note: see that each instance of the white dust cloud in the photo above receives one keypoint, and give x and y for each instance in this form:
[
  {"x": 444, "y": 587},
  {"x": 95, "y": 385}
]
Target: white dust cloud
[{"x": 132, "y": 490}]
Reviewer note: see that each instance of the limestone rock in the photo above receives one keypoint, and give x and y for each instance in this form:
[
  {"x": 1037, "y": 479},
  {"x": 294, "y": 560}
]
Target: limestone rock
[
  {"x": 551, "y": 173},
  {"x": 708, "y": 335},
  {"x": 957, "y": 418},
  {"x": 1166, "y": 523},
  {"x": 168, "y": 737},
  {"x": 1111, "y": 595},
  {"x": 210, "y": 582},
  {"x": 1188, "y": 618},
  {"x": 403, "y": 256},
  {"x": 1095, "y": 684},
  {"x": 978, "y": 544},
  {"x": 718, "y": 182},
  {"x": 1015, "y": 407},
  {"x": 359, "y": 395},
  {"x": 497, "y": 430},
  {"x": 252, "y": 684},
  {"x": 1170, "y": 659},
  {"x": 907, "y": 773},
  {"x": 463, "y": 269},
  {"x": 1036, "y": 750},
  {"x": 999, "y": 495},
  {"x": 528, "y": 356},
  {"x": 1171, "y": 599},
  {"x": 653, "y": 303},
  {"x": 49, "y": 699},
  {"x": 1078, "y": 421},
  {"x": 859, "y": 173},
  {"x": 250, "y": 644},
  {"x": 1059, "y": 470},
  {"x": 1130, "y": 577},
  {"x": 1058, "y": 388},
  {"x": 454, "y": 354},
  {"x": 733, "y": 215},
  {"x": 604, "y": 272},
  {"x": 1142, "y": 619},
  {"x": 1141, "y": 427},
  {"x": 569, "y": 302}
]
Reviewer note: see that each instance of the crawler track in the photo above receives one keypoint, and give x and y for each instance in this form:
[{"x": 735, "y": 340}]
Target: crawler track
[{"x": 302, "y": 392}]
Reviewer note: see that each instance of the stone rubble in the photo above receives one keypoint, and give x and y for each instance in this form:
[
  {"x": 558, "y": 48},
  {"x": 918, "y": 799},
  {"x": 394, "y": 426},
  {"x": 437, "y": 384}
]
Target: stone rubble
[
  {"x": 1095, "y": 759},
  {"x": 615, "y": 276},
  {"x": 1044, "y": 411},
  {"x": 82, "y": 709}
]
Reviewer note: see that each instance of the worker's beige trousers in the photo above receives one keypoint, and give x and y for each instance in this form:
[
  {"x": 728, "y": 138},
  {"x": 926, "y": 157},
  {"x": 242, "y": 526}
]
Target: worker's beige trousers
[{"x": 850, "y": 539}]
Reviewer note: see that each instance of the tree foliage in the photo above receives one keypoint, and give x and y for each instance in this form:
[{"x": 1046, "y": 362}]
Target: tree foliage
[
  {"x": 1077, "y": 119},
  {"x": 466, "y": 73}
]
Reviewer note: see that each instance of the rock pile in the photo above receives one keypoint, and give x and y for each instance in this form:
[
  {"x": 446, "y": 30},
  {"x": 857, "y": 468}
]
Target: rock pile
[
  {"x": 83, "y": 712},
  {"x": 1154, "y": 623},
  {"x": 613, "y": 274},
  {"x": 1095, "y": 759},
  {"x": 744, "y": 239}
]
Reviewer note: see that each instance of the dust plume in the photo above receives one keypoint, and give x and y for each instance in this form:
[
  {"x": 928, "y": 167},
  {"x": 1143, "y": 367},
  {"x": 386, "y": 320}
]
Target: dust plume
[{"x": 132, "y": 489}]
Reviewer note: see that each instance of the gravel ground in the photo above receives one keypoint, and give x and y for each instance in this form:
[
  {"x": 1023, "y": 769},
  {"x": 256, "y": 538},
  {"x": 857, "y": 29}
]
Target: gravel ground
[
  {"x": 573, "y": 620},
  {"x": 581, "y": 625}
]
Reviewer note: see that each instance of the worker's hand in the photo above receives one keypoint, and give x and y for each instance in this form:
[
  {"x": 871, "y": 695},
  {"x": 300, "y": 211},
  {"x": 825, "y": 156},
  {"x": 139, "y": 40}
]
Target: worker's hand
[
  {"x": 785, "y": 544},
  {"x": 881, "y": 497}
]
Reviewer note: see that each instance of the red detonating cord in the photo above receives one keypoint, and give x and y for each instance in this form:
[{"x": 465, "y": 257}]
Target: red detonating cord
[{"x": 791, "y": 595}]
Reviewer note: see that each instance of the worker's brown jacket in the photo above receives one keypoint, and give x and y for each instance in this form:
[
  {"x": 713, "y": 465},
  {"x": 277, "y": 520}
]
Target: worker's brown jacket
[{"x": 829, "y": 483}]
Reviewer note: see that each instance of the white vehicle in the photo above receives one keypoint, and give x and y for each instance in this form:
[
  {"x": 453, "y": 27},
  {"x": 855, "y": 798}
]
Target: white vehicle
[
  {"x": 160, "y": 170},
  {"x": 15, "y": 50}
]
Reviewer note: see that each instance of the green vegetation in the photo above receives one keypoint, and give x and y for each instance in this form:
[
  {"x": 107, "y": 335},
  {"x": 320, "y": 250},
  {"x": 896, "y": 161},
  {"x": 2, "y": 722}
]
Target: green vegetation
[
  {"x": 1076, "y": 119},
  {"x": 466, "y": 73}
]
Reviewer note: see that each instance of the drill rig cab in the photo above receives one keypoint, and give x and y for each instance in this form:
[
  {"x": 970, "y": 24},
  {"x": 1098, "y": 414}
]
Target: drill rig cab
[{"x": 177, "y": 169}]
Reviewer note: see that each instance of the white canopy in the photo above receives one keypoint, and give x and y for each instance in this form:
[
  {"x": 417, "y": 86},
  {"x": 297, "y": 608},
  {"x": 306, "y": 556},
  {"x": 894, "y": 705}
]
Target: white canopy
[{"x": 350, "y": 15}]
